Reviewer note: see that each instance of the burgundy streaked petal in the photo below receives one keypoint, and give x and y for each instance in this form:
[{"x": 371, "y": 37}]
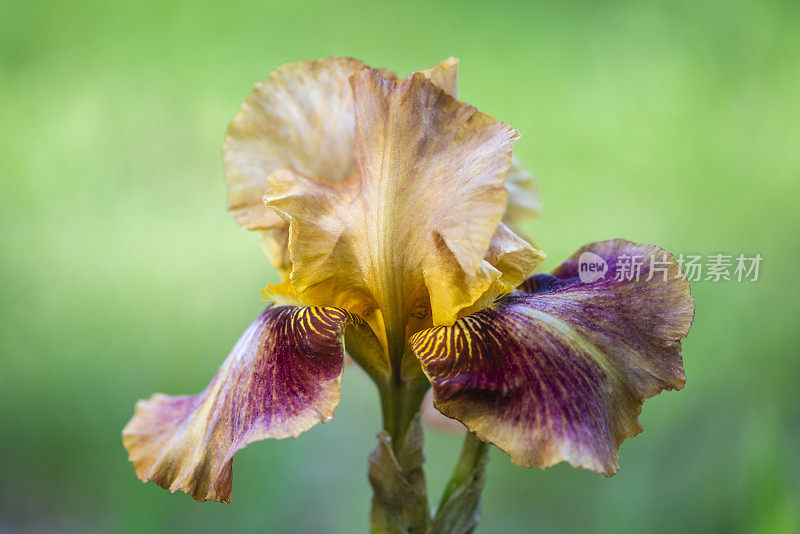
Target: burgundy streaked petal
[
  {"x": 282, "y": 377},
  {"x": 561, "y": 372}
]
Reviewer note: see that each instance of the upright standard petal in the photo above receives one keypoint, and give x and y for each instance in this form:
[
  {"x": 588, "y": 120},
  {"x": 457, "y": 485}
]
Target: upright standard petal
[
  {"x": 282, "y": 377},
  {"x": 561, "y": 372},
  {"x": 523, "y": 193},
  {"x": 300, "y": 118},
  {"x": 408, "y": 233}
]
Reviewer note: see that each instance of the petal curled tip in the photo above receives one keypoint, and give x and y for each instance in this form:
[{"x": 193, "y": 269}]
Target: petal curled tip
[
  {"x": 559, "y": 371},
  {"x": 513, "y": 258},
  {"x": 282, "y": 377},
  {"x": 523, "y": 193}
]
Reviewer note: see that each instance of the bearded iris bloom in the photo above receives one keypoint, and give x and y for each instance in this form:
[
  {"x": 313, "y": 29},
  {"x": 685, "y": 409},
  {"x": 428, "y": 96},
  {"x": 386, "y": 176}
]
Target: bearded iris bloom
[{"x": 391, "y": 210}]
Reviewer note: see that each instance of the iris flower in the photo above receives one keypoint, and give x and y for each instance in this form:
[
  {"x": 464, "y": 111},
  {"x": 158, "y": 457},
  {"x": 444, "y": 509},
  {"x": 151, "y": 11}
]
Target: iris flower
[{"x": 391, "y": 210}]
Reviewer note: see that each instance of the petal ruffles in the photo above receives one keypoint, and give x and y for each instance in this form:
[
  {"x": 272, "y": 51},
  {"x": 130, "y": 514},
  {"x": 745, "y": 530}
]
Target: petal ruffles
[
  {"x": 282, "y": 377},
  {"x": 299, "y": 118},
  {"x": 410, "y": 229},
  {"x": 523, "y": 193},
  {"x": 561, "y": 373}
]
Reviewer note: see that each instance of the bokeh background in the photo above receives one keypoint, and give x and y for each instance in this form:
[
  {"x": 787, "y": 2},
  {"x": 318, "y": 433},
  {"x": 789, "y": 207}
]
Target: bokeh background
[{"x": 121, "y": 274}]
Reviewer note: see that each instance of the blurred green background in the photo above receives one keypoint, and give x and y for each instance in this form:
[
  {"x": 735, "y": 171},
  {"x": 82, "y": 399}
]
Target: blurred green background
[{"x": 121, "y": 274}]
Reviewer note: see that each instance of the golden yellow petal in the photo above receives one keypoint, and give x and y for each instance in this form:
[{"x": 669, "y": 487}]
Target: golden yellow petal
[
  {"x": 249, "y": 144},
  {"x": 444, "y": 74},
  {"x": 410, "y": 229},
  {"x": 512, "y": 255}
]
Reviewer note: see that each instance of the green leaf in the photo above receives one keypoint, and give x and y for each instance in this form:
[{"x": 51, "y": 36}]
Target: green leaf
[{"x": 459, "y": 510}]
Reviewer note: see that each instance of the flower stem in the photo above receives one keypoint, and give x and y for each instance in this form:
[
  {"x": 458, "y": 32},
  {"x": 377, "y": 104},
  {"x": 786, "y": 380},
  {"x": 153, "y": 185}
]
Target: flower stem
[
  {"x": 400, "y": 403},
  {"x": 399, "y": 497},
  {"x": 401, "y": 396}
]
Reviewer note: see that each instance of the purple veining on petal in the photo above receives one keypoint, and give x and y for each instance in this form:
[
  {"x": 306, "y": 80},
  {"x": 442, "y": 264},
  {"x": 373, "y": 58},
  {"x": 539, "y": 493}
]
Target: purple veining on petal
[
  {"x": 282, "y": 377},
  {"x": 560, "y": 370}
]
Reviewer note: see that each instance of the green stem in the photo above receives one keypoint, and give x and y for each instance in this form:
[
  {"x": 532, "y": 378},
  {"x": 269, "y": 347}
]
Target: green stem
[
  {"x": 473, "y": 452},
  {"x": 400, "y": 402},
  {"x": 399, "y": 500},
  {"x": 401, "y": 396}
]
